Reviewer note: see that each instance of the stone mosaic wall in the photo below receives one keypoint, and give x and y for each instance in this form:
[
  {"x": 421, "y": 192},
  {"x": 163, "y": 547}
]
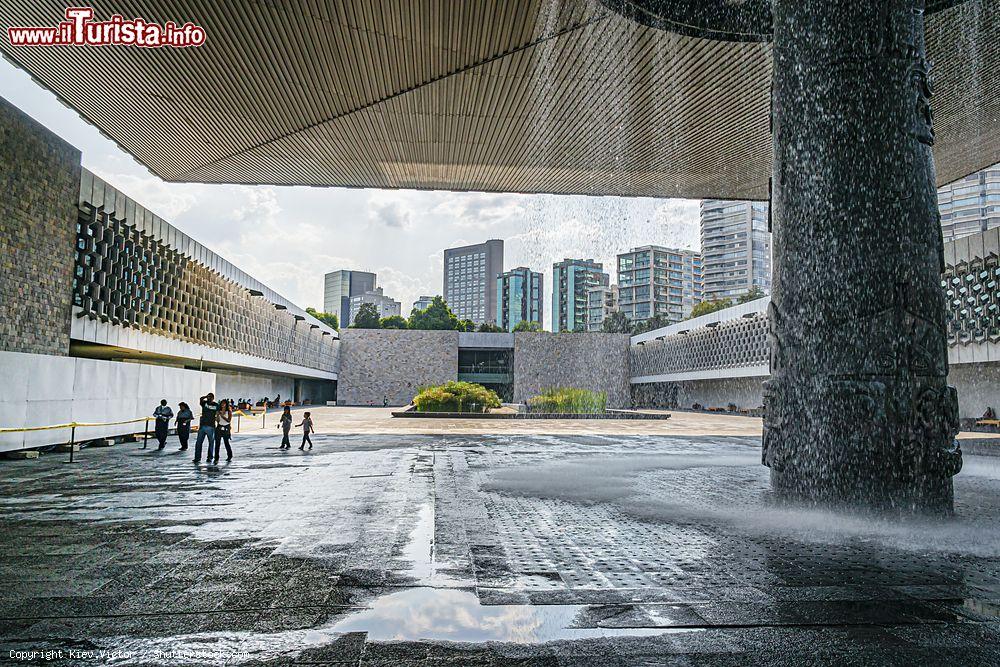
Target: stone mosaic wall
[
  {"x": 594, "y": 361},
  {"x": 39, "y": 179},
  {"x": 393, "y": 363}
]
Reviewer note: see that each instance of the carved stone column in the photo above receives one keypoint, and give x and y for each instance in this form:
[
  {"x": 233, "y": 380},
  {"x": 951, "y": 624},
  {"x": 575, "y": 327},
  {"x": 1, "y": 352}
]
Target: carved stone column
[{"x": 858, "y": 409}]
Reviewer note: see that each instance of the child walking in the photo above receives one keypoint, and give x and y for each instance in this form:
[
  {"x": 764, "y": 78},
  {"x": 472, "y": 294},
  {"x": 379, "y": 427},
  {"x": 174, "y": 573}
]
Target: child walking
[
  {"x": 285, "y": 424},
  {"x": 307, "y": 428}
]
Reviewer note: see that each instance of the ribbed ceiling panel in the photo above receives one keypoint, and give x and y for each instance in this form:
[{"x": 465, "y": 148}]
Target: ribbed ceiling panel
[{"x": 531, "y": 96}]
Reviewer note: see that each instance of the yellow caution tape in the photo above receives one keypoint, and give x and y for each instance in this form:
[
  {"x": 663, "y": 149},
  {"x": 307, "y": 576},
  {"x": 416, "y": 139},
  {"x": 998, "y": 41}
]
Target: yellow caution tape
[
  {"x": 73, "y": 425},
  {"x": 86, "y": 424}
]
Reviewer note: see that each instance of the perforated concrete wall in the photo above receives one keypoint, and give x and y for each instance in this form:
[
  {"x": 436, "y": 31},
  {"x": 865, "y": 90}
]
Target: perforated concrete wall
[
  {"x": 737, "y": 343},
  {"x": 134, "y": 270},
  {"x": 972, "y": 284}
]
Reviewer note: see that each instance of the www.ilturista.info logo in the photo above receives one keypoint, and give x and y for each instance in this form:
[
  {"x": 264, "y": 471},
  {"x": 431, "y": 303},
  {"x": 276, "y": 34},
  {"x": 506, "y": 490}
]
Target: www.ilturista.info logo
[{"x": 80, "y": 29}]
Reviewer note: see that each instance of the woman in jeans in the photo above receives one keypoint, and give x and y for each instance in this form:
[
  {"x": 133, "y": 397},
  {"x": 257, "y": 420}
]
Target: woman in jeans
[
  {"x": 184, "y": 418},
  {"x": 285, "y": 424},
  {"x": 223, "y": 430}
]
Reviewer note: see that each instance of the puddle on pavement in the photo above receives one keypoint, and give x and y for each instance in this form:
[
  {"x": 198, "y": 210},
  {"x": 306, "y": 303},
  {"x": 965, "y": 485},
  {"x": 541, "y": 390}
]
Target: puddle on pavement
[
  {"x": 419, "y": 551},
  {"x": 435, "y": 614},
  {"x": 413, "y": 614}
]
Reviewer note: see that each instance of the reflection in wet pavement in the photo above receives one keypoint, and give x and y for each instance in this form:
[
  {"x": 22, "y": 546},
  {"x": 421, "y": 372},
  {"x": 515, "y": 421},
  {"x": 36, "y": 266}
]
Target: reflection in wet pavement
[
  {"x": 452, "y": 550},
  {"x": 456, "y": 615}
]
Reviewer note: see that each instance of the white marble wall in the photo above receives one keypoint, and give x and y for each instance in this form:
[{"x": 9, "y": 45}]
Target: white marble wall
[
  {"x": 39, "y": 390},
  {"x": 978, "y": 388},
  {"x": 252, "y": 386}
]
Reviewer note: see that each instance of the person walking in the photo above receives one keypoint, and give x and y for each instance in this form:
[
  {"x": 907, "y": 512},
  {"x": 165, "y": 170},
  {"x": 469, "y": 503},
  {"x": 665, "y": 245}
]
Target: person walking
[
  {"x": 206, "y": 426},
  {"x": 184, "y": 419},
  {"x": 285, "y": 424},
  {"x": 163, "y": 415},
  {"x": 224, "y": 429},
  {"x": 307, "y": 428}
]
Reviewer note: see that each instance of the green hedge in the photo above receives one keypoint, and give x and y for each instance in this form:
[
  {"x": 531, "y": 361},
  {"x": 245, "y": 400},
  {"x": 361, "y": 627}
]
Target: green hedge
[
  {"x": 569, "y": 401},
  {"x": 456, "y": 397}
]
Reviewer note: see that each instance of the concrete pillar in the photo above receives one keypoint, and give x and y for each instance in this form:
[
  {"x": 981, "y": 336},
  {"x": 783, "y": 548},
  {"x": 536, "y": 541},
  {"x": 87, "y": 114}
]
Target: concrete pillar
[{"x": 858, "y": 406}]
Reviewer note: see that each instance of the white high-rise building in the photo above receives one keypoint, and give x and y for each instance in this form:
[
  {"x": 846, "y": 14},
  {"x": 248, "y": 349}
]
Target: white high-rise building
[
  {"x": 970, "y": 205},
  {"x": 654, "y": 281},
  {"x": 601, "y": 302},
  {"x": 735, "y": 248}
]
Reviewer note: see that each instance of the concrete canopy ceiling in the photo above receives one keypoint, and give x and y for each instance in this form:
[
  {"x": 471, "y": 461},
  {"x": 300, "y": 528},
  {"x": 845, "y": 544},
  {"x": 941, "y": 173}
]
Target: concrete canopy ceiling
[{"x": 556, "y": 96}]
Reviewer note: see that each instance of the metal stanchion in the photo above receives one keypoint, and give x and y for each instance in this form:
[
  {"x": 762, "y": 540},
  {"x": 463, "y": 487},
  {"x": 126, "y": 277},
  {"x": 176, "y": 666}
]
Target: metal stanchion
[
  {"x": 145, "y": 433},
  {"x": 239, "y": 417},
  {"x": 72, "y": 442},
  {"x": 263, "y": 418}
]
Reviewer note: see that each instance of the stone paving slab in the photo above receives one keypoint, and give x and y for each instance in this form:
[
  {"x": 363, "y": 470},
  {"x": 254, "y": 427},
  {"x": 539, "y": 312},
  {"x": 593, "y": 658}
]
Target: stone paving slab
[{"x": 546, "y": 549}]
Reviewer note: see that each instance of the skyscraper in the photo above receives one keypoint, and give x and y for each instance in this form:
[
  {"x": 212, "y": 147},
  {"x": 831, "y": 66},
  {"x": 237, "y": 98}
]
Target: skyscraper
[
  {"x": 653, "y": 280},
  {"x": 571, "y": 279},
  {"x": 970, "y": 205},
  {"x": 470, "y": 275},
  {"x": 519, "y": 297},
  {"x": 735, "y": 248},
  {"x": 340, "y": 286}
]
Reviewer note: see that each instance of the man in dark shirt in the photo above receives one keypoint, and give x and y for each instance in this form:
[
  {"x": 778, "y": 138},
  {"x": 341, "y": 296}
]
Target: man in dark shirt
[{"x": 206, "y": 426}]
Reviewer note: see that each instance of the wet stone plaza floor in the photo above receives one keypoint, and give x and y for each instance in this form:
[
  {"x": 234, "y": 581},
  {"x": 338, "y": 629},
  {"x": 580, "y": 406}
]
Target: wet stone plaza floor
[{"x": 480, "y": 550}]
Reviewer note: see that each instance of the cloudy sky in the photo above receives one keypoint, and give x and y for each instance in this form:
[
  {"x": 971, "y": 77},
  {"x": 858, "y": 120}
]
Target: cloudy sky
[{"x": 289, "y": 237}]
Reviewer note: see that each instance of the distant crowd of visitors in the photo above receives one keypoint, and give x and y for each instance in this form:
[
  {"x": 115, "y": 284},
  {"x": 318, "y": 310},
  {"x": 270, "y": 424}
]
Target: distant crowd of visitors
[{"x": 216, "y": 423}]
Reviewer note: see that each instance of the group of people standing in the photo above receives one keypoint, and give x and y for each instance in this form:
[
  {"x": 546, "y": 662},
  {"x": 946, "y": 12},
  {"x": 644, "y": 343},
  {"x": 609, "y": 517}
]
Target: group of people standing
[{"x": 215, "y": 426}]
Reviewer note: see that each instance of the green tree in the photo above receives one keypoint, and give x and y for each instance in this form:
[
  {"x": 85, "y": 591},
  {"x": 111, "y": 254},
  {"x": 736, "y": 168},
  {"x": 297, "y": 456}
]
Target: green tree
[
  {"x": 526, "y": 325},
  {"x": 752, "y": 294},
  {"x": 393, "y": 322},
  {"x": 655, "y": 322},
  {"x": 329, "y": 319},
  {"x": 466, "y": 325},
  {"x": 616, "y": 322},
  {"x": 367, "y": 317},
  {"x": 706, "y": 307},
  {"x": 489, "y": 327},
  {"x": 436, "y": 316}
]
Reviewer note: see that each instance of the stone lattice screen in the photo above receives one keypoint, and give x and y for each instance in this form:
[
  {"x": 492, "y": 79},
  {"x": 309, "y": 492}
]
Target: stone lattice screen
[
  {"x": 735, "y": 343},
  {"x": 126, "y": 277},
  {"x": 973, "y": 301}
]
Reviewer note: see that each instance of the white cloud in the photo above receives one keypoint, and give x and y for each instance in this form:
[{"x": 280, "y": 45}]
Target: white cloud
[{"x": 391, "y": 214}]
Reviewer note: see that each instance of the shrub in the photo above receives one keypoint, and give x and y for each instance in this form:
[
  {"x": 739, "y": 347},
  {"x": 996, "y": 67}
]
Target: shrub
[
  {"x": 456, "y": 397},
  {"x": 567, "y": 400}
]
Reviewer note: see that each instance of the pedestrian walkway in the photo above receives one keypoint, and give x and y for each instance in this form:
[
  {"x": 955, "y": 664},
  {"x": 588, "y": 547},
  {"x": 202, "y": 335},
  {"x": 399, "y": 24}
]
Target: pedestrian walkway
[{"x": 459, "y": 550}]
